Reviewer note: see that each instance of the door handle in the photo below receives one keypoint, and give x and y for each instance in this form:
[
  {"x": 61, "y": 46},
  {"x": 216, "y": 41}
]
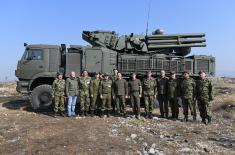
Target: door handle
[{"x": 40, "y": 66}]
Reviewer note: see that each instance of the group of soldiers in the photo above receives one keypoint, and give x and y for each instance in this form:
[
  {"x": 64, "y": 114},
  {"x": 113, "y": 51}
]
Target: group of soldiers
[{"x": 107, "y": 95}]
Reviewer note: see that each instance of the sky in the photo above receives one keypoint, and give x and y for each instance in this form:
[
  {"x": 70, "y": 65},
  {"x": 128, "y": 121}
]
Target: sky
[{"x": 62, "y": 21}]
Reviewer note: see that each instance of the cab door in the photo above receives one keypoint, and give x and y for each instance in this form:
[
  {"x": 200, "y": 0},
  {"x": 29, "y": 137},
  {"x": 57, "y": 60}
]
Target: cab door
[{"x": 32, "y": 63}]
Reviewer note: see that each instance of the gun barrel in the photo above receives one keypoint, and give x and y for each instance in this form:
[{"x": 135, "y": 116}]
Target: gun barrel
[
  {"x": 175, "y": 36},
  {"x": 179, "y": 41},
  {"x": 175, "y": 46}
]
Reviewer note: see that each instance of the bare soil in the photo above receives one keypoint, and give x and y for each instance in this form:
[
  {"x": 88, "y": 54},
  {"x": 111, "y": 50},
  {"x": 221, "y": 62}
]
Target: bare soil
[{"x": 24, "y": 131}]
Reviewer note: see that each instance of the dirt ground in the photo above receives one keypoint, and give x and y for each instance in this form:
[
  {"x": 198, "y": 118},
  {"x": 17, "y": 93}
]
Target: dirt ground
[{"x": 24, "y": 131}]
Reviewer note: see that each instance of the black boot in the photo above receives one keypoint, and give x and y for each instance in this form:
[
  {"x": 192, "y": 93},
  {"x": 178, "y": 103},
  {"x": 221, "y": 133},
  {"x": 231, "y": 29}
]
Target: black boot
[
  {"x": 101, "y": 114},
  {"x": 82, "y": 113},
  {"x": 150, "y": 115},
  {"x": 107, "y": 113},
  {"x": 209, "y": 119},
  {"x": 146, "y": 115},
  {"x": 55, "y": 114},
  {"x": 194, "y": 118},
  {"x": 92, "y": 113},
  {"x": 166, "y": 115},
  {"x": 186, "y": 118},
  {"x": 63, "y": 114},
  {"x": 204, "y": 120}
]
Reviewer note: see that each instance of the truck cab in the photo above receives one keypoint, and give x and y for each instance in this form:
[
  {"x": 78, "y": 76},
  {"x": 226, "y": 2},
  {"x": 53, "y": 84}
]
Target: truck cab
[{"x": 36, "y": 71}]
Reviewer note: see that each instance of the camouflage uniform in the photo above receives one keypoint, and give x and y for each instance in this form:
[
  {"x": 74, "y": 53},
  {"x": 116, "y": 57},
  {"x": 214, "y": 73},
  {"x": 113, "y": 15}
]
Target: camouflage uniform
[
  {"x": 84, "y": 93},
  {"x": 187, "y": 93},
  {"x": 106, "y": 91},
  {"x": 58, "y": 89},
  {"x": 134, "y": 89},
  {"x": 204, "y": 94},
  {"x": 120, "y": 90},
  {"x": 94, "y": 92},
  {"x": 149, "y": 93},
  {"x": 162, "y": 95},
  {"x": 172, "y": 89}
]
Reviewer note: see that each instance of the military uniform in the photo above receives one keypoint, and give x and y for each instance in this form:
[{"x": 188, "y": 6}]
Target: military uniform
[
  {"x": 113, "y": 102},
  {"x": 172, "y": 89},
  {"x": 106, "y": 93},
  {"x": 162, "y": 95},
  {"x": 134, "y": 92},
  {"x": 58, "y": 89},
  {"x": 204, "y": 94},
  {"x": 187, "y": 93},
  {"x": 120, "y": 90},
  {"x": 94, "y": 92},
  {"x": 84, "y": 93},
  {"x": 149, "y": 93}
]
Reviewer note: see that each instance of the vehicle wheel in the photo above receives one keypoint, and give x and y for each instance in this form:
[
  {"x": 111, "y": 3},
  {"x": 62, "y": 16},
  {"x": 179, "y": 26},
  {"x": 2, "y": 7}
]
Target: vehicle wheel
[{"x": 41, "y": 97}]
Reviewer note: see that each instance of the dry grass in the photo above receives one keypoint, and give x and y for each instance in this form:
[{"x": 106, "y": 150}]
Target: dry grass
[{"x": 8, "y": 88}]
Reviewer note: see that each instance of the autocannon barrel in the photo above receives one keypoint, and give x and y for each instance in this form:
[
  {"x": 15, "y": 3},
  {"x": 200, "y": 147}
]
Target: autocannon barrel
[
  {"x": 176, "y": 46},
  {"x": 175, "y": 36},
  {"x": 179, "y": 41}
]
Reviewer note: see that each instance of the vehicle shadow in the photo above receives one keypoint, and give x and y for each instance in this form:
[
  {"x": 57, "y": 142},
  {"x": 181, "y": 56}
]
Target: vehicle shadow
[{"x": 23, "y": 103}]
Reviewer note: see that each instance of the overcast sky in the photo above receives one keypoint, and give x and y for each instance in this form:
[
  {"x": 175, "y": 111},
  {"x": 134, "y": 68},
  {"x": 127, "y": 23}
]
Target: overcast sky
[{"x": 62, "y": 21}]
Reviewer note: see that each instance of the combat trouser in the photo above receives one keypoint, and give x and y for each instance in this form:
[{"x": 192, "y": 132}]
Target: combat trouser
[
  {"x": 174, "y": 107},
  {"x": 121, "y": 104},
  {"x": 94, "y": 102},
  {"x": 135, "y": 102},
  {"x": 148, "y": 102},
  {"x": 204, "y": 108},
  {"x": 106, "y": 102},
  {"x": 189, "y": 104},
  {"x": 84, "y": 101},
  {"x": 59, "y": 104},
  {"x": 163, "y": 104}
]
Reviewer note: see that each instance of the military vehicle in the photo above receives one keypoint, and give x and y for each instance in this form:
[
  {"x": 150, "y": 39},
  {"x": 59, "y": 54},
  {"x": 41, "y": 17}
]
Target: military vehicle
[{"x": 40, "y": 63}]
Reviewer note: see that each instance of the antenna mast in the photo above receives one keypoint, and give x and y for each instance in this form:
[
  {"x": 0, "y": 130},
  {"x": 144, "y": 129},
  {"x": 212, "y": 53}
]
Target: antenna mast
[{"x": 147, "y": 25}]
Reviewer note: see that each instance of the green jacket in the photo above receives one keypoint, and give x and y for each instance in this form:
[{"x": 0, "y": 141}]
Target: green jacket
[
  {"x": 162, "y": 85},
  {"x": 204, "y": 89},
  {"x": 149, "y": 86},
  {"x": 71, "y": 87},
  {"x": 94, "y": 86},
  {"x": 187, "y": 89},
  {"x": 84, "y": 84},
  {"x": 134, "y": 86},
  {"x": 120, "y": 87},
  {"x": 172, "y": 88},
  {"x": 105, "y": 87},
  {"x": 58, "y": 87}
]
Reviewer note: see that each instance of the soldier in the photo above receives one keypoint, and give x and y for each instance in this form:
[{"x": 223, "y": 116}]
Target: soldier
[
  {"x": 149, "y": 93},
  {"x": 162, "y": 94},
  {"x": 94, "y": 92},
  {"x": 172, "y": 87},
  {"x": 58, "y": 89},
  {"x": 71, "y": 92},
  {"x": 84, "y": 92},
  {"x": 187, "y": 94},
  {"x": 135, "y": 91},
  {"x": 120, "y": 93},
  {"x": 113, "y": 77},
  {"x": 105, "y": 91},
  {"x": 204, "y": 94}
]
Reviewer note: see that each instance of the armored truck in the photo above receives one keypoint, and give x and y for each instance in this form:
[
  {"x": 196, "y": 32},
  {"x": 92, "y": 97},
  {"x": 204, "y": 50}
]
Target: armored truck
[{"x": 40, "y": 63}]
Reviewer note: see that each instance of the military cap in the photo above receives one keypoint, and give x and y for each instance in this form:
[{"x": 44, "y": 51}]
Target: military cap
[
  {"x": 97, "y": 73},
  {"x": 149, "y": 71},
  {"x": 106, "y": 74},
  {"x": 59, "y": 73},
  {"x": 187, "y": 72},
  {"x": 172, "y": 72},
  {"x": 201, "y": 71}
]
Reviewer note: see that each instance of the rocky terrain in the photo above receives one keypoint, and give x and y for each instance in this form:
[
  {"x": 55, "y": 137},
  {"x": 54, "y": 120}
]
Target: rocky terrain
[{"x": 24, "y": 131}]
